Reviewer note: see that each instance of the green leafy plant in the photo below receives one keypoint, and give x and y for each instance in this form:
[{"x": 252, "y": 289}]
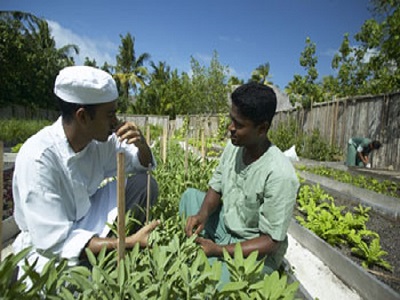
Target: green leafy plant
[
  {"x": 223, "y": 123},
  {"x": 371, "y": 253},
  {"x": 31, "y": 285},
  {"x": 172, "y": 267},
  {"x": 247, "y": 281},
  {"x": 338, "y": 227},
  {"x": 386, "y": 187},
  {"x": 16, "y": 148},
  {"x": 11, "y": 288}
]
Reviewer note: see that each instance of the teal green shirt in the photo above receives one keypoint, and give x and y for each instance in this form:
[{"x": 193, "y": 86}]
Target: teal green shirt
[
  {"x": 361, "y": 144},
  {"x": 257, "y": 198}
]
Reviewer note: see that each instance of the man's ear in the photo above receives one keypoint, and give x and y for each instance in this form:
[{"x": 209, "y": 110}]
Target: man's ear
[
  {"x": 81, "y": 116},
  {"x": 263, "y": 127}
]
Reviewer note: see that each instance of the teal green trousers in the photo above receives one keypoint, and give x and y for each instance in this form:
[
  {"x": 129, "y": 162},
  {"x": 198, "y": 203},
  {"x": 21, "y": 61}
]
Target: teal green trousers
[
  {"x": 215, "y": 230},
  {"x": 352, "y": 157}
]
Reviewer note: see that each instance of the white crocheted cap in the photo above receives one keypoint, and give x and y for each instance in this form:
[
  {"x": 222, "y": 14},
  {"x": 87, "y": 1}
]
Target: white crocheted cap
[{"x": 85, "y": 85}]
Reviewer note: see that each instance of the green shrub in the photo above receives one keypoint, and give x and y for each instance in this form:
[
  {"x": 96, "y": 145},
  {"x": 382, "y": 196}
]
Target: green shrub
[
  {"x": 156, "y": 131},
  {"x": 15, "y": 131},
  {"x": 286, "y": 135},
  {"x": 311, "y": 146},
  {"x": 316, "y": 148}
]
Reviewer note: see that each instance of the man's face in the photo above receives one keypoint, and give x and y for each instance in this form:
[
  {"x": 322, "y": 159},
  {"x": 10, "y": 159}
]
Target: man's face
[
  {"x": 243, "y": 131},
  {"x": 104, "y": 122}
]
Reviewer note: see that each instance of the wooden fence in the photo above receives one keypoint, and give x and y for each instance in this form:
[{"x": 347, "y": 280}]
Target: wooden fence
[{"x": 376, "y": 117}]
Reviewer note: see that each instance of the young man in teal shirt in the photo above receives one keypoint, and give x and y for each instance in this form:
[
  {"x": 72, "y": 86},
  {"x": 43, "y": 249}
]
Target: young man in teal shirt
[{"x": 253, "y": 190}]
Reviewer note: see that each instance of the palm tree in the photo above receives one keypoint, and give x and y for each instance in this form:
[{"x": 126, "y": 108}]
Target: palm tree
[
  {"x": 261, "y": 74},
  {"x": 130, "y": 69},
  {"x": 41, "y": 37},
  {"x": 161, "y": 72},
  {"x": 29, "y": 49},
  {"x": 234, "y": 81}
]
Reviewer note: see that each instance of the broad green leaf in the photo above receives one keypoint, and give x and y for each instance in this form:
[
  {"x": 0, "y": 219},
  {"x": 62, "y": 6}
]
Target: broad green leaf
[{"x": 234, "y": 286}]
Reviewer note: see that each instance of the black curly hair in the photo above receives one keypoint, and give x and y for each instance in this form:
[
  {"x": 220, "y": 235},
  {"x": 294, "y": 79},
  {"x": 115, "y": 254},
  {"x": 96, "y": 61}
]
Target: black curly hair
[
  {"x": 255, "y": 101},
  {"x": 376, "y": 144},
  {"x": 68, "y": 109}
]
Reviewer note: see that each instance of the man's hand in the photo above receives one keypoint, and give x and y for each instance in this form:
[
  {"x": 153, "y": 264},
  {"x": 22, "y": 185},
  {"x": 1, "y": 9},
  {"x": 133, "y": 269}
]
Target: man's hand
[
  {"x": 131, "y": 133},
  {"x": 142, "y": 235},
  {"x": 210, "y": 248},
  {"x": 194, "y": 225}
]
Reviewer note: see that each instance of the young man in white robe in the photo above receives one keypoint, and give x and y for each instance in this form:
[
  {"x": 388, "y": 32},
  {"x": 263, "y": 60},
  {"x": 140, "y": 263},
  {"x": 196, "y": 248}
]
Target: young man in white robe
[{"x": 59, "y": 206}]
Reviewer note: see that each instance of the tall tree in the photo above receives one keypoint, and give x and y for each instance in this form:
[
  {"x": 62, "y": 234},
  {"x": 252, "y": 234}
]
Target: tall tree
[
  {"x": 209, "y": 87},
  {"x": 217, "y": 86},
  {"x": 30, "y": 60},
  {"x": 345, "y": 62},
  {"x": 130, "y": 70},
  {"x": 90, "y": 63},
  {"x": 261, "y": 74},
  {"x": 234, "y": 80},
  {"x": 379, "y": 38},
  {"x": 152, "y": 98},
  {"x": 304, "y": 89},
  {"x": 205, "y": 91}
]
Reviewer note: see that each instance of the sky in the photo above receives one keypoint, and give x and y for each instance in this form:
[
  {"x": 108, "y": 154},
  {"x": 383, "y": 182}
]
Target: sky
[{"x": 244, "y": 33}]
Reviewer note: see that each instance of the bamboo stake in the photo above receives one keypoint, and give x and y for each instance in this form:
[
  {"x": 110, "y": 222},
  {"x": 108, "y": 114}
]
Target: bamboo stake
[
  {"x": 186, "y": 155},
  {"x": 203, "y": 147},
  {"x": 148, "y": 194},
  {"x": 148, "y": 132},
  {"x": 165, "y": 139},
  {"x": 121, "y": 204},
  {"x": 328, "y": 122},
  {"x": 302, "y": 119},
  {"x": 1, "y": 197},
  {"x": 312, "y": 116}
]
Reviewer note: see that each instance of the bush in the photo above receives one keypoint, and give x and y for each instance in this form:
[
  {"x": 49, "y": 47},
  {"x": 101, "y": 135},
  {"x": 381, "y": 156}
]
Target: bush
[
  {"x": 308, "y": 146},
  {"x": 15, "y": 131}
]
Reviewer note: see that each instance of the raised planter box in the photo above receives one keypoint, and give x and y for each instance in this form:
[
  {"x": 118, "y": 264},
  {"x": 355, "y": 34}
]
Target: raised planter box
[
  {"x": 349, "y": 272},
  {"x": 387, "y": 206}
]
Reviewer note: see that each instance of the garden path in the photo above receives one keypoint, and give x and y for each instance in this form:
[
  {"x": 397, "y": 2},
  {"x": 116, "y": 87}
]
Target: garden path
[{"x": 315, "y": 277}]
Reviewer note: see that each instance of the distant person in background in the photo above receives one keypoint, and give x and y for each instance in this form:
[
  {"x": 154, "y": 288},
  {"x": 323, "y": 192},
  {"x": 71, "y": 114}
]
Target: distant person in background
[{"x": 358, "y": 150}]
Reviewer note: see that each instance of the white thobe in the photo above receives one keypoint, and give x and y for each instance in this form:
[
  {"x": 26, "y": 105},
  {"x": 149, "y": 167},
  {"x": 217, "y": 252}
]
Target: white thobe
[{"x": 58, "y": 204}]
